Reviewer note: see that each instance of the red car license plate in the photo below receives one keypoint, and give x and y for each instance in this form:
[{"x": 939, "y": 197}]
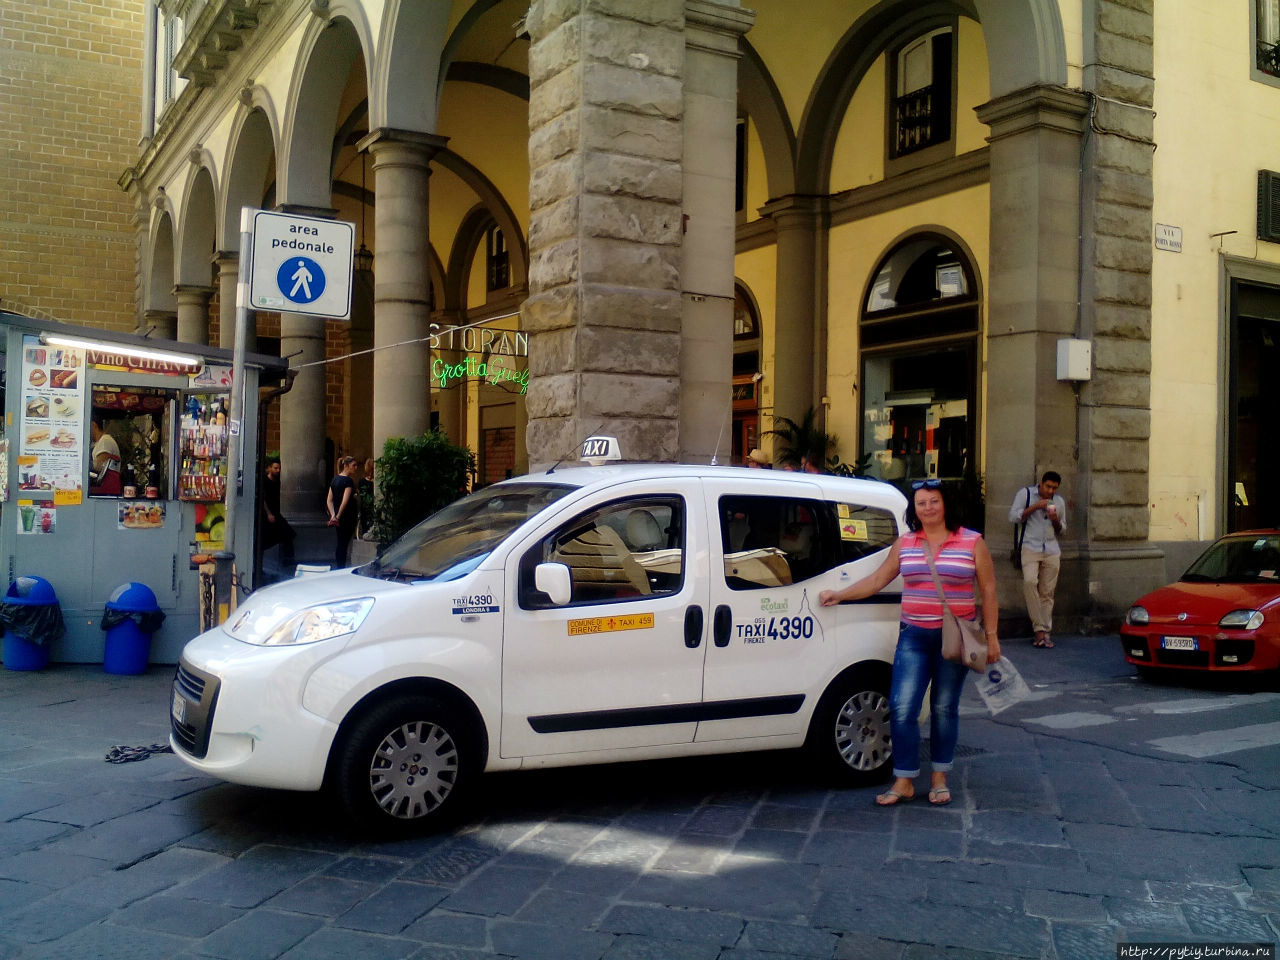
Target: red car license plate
[{"x": 1178, "y": 643}]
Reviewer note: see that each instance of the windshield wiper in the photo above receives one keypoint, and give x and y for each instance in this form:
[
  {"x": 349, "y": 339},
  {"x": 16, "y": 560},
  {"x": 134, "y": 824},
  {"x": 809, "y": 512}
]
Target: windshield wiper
[{"x": 1196, "y": 578}]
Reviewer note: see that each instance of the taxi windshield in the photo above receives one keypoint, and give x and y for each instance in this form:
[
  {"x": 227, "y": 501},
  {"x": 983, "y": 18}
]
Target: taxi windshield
[
  {"x": 455, "y": 540},
  {"x": 1252, "y": 559}
]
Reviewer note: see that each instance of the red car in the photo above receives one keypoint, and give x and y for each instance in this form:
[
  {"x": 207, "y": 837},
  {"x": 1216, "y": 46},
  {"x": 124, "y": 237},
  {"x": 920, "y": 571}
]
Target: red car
[{"x": 1222, "y": 615}]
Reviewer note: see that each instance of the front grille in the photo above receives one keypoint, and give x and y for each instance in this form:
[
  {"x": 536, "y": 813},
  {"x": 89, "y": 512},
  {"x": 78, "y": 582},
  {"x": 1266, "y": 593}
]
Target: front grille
[
  {"x": 1182, "y": 658},
  {"x": 199, "y": 693},
  {"x": 189, "y": 684}
]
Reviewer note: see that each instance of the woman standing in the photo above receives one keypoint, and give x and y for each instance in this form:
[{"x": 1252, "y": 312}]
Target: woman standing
[
  {"x": 961, "y": 557},
  {"x": 343, "y": 508}
]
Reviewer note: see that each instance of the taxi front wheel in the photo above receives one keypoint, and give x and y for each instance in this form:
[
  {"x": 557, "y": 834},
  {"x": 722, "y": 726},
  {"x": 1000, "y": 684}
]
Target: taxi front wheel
[
  {"x": 849, "y": 734},
  {"x": 401, "y": 767}
]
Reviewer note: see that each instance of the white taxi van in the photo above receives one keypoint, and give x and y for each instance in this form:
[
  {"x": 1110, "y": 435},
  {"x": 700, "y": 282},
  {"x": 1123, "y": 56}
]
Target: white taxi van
[{"x": 584, "y": 615}]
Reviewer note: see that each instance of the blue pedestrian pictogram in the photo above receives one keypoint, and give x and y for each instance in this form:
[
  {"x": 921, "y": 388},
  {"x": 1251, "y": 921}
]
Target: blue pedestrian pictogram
[{"x": 300, "y": 279}]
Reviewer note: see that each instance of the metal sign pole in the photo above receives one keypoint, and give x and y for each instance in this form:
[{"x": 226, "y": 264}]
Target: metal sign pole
[{"x": 235, "y": 439}]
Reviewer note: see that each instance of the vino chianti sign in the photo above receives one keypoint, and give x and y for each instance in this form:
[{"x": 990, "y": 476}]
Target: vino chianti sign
[{"x": 489, "y": 356}]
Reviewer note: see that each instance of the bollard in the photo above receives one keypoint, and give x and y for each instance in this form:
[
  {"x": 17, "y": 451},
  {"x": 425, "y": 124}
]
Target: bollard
[{"x": 223, "y": 585}]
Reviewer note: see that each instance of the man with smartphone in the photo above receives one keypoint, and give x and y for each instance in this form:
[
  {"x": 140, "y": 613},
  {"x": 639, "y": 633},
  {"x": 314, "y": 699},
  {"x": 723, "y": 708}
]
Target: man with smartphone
[{"x": 1045, "y": 514}]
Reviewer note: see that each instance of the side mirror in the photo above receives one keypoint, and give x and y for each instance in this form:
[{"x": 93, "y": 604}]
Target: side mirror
[{"x": 553, "y": 579}]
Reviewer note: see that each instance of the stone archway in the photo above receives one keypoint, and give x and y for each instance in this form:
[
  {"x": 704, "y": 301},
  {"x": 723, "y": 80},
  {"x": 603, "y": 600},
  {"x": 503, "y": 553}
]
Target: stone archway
[
  {"x": 160, "y": 308},
  {"x": 195, "y": 254}
]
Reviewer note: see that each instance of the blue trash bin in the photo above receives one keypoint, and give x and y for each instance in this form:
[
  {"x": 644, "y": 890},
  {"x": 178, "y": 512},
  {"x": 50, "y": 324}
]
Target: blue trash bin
[
  {"x": 32, "y": 619},
  {"x": 131, "y": 616}
]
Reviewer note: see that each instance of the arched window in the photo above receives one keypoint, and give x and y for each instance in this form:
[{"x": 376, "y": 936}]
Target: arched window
[
  {"x": 497, "y": 259},
  {"x": 922, "y": 99},
  {"x": 919, "y": 347}
]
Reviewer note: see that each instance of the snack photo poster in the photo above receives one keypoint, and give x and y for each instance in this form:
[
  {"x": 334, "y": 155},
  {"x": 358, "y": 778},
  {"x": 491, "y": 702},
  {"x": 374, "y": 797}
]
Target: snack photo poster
[{"x": 52, "y": 431}]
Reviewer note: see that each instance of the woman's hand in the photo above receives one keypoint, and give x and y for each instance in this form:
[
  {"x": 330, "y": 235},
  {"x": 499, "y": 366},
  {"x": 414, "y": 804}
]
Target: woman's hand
[{"x": 993, "y": 648}]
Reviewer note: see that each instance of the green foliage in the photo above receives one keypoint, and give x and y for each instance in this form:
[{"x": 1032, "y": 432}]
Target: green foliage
[
  {"x": 415, "y": 477},
  {"x": 858, "y": 468},
  {"x": 802, "y": 440}
]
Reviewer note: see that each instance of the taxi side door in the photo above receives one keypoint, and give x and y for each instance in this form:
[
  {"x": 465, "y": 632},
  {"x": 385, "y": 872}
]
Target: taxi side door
[
  {"x": 620, "y": 665},
  {"x": 771, "y": 553}
]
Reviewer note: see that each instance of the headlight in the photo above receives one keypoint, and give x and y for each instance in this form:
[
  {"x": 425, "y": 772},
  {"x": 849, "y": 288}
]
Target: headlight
[
  {"x": 322, "y": 622},
  {"x": 1137, "y": 617},
  {"x": 1242, "y": 620}
]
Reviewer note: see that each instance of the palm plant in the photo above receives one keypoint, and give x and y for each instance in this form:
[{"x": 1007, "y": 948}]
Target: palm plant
[{"x": 803, "y": 440}]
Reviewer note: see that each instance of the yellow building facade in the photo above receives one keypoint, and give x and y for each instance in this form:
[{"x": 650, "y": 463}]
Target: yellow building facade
[{"x": 681, "y": 220}]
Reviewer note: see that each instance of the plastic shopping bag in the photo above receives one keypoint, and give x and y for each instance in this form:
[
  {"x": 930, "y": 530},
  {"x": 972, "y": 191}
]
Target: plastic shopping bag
[{"x": 1001, "y": 686}]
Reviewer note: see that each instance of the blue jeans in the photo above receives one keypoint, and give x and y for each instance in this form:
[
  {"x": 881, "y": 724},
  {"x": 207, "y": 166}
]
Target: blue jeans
[{"x": 918, "y": 661}]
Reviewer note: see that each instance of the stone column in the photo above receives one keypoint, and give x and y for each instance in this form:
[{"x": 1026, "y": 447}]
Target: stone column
[
  {"x": 162, "y": 324},
  {"x": 193, "y": 312},
  {"x": 795, "y": 382},
  {"x": 1115, "y": 406},
  {"x": 1071, "y": 257},
  {"x": 302, "y": 420},
  {"x": 706, "y": 273},
  {"x": 227, "y": 265},
  {"x": 604, "y": 313},
  {"x": 402, "y": 281}
]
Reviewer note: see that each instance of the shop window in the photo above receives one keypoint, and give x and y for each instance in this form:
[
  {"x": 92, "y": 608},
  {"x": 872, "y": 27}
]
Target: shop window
[
  {"x": 921, "y": 107},
  {"x": 629, "y": 550},
  {"x": 1253, "y": 478},
  {"x": 746, "y": 374},
  {"x": 772, "y": 541},
  {"x": 919, "y": 337},
  {"x": 129, "y": 442}
]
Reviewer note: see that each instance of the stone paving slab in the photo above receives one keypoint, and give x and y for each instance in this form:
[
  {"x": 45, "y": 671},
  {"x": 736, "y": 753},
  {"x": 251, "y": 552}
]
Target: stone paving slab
[{"x": 1057, "y": 846}]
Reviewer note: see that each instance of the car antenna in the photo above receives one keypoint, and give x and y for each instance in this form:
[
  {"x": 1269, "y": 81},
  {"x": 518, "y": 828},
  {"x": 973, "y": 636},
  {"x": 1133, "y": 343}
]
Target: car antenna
[
  {"x": 577, "y": 447},
  {"x": 715, "y": 453}
]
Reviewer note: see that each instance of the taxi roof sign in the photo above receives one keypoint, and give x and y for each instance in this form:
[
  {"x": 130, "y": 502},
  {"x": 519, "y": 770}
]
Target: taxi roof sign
[{"x": 599, "y": 450}]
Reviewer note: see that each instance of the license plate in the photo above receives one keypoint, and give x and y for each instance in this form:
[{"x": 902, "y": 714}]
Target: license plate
[
  {"x": 178, "y": 708},
  {"x": 1178, "y": 643}
]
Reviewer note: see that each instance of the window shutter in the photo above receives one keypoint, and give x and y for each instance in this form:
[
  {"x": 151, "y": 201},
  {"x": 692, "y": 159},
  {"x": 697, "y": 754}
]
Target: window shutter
[{"x": 1269, "y": 206}]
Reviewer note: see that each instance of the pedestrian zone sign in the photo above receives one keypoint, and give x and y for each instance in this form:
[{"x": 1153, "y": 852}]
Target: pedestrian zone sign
[{"x": 301, "y": 265}]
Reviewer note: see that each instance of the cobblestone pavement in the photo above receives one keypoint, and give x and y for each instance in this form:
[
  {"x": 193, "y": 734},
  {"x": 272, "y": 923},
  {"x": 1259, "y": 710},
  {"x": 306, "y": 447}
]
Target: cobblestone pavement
[{"x": 1105, "y": 810}]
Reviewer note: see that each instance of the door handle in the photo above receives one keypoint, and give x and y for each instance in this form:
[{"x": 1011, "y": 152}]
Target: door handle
[
  {"x": 692, "y": 626},
  {"x": 720, "y": 625}
]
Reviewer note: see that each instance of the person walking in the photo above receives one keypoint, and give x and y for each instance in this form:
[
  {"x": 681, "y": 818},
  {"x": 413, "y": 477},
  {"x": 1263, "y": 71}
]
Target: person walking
[
  {"x": 1044, "y": 513},
  {"x": 962, "y": 560},
  {"x": 343, "y": 508},
  {"x": 275, "y": 528}
]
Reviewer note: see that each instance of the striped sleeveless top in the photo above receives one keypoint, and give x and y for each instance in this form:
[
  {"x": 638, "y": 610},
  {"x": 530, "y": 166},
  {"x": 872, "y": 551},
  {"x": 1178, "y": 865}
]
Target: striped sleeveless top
[{"x": 957, "y": 572}]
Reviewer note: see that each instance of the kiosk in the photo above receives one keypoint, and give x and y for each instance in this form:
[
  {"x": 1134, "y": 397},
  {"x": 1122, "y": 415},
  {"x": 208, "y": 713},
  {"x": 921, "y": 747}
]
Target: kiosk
[{"x": 113, "y": 468}]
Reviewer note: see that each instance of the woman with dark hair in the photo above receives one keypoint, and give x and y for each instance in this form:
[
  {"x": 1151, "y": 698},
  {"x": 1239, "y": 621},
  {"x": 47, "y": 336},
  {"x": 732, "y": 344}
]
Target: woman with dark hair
[
  {"x": 343, "y": 508},
  {"x": 961, "y": 559}
]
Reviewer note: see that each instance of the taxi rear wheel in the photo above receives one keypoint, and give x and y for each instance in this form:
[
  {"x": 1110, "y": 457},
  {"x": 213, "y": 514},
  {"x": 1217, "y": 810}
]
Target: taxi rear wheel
[
  {"x": 401, "y": 767},
  {"x": 849, "y": 734}
]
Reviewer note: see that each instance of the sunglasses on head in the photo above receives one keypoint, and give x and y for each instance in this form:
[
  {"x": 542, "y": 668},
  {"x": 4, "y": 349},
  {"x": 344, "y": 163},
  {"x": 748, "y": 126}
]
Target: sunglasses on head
[{"x": 926, "y": 484}]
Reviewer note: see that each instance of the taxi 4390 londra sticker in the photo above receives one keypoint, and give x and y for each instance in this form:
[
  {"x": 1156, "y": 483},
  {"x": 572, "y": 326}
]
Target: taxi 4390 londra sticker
[
  {"x": 633, "y": 621},
  {"x": 475, "y": 603}
]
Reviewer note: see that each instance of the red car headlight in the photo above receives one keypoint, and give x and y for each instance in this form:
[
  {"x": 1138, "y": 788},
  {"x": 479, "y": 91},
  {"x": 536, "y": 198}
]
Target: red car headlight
[
  {"x": 1137, "y": 616},
  {"x": 1242, "y": 620}
]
